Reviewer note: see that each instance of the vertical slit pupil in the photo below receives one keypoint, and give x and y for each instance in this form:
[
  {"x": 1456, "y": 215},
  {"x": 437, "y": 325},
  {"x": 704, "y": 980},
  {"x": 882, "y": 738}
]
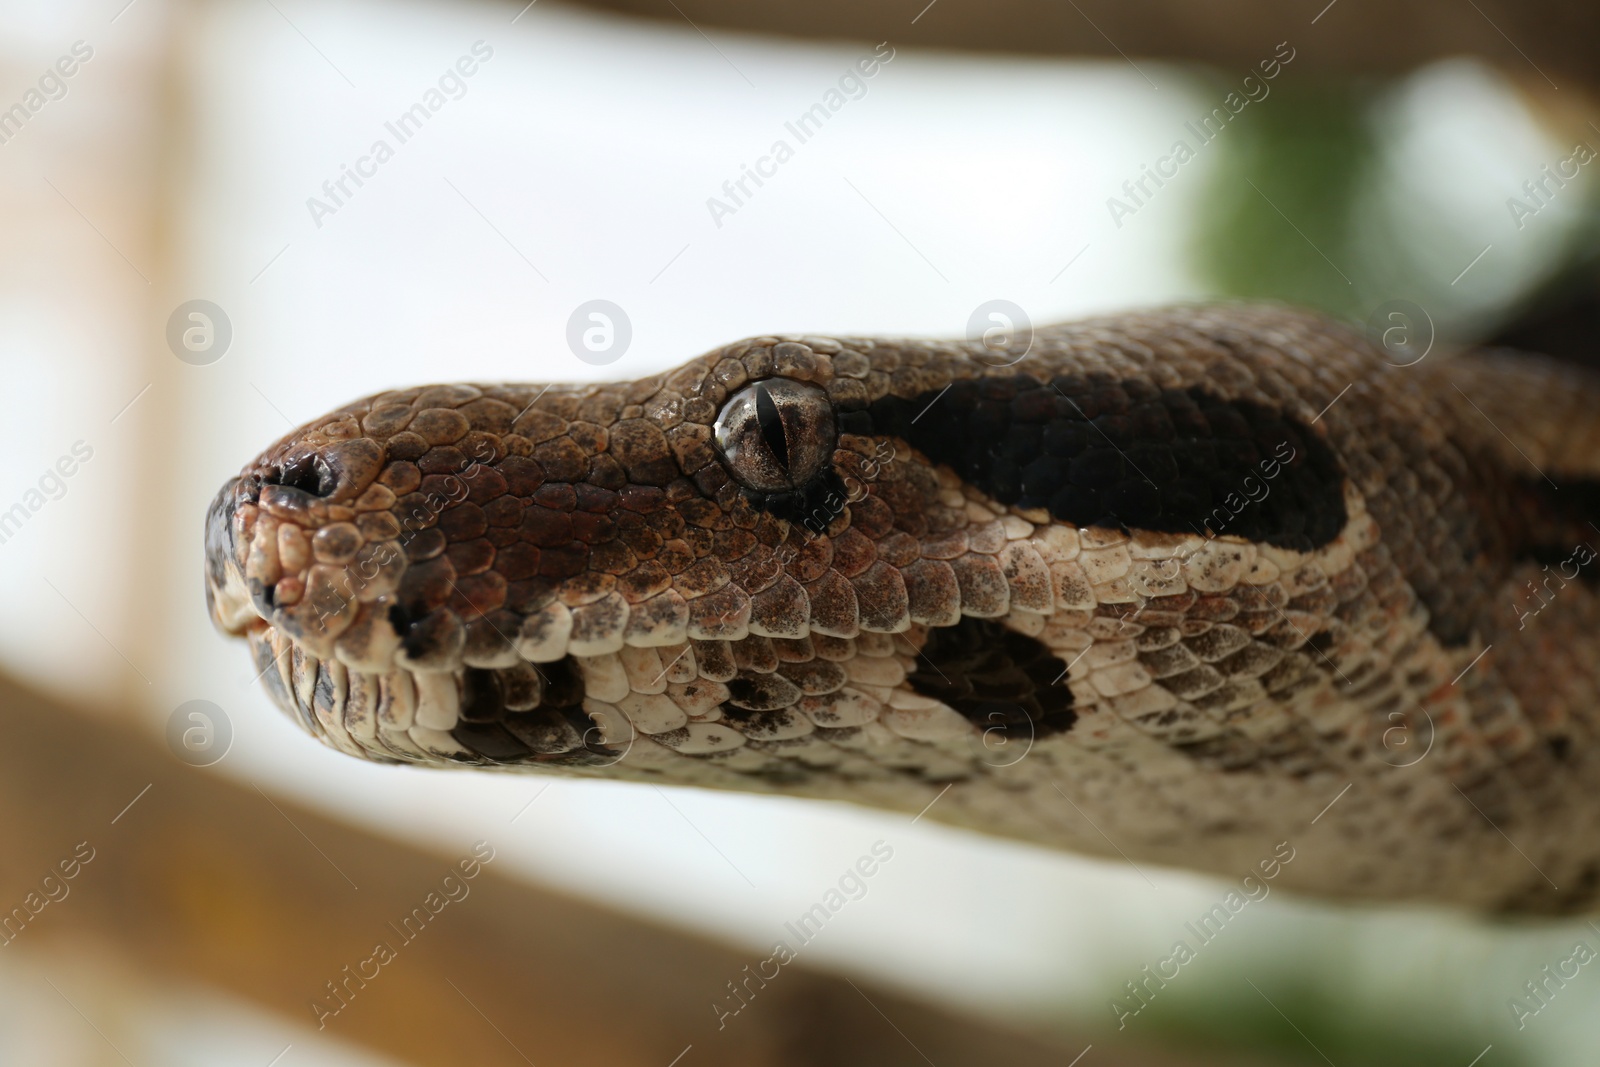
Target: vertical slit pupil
[{"x": 771, "y": 423}]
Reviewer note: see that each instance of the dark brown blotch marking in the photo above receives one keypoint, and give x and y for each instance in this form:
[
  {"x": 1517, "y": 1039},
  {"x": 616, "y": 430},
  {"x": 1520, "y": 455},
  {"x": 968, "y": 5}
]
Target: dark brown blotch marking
[
  {"x": 995, "y": 677},
  {"x": 1125, "y": 454}
]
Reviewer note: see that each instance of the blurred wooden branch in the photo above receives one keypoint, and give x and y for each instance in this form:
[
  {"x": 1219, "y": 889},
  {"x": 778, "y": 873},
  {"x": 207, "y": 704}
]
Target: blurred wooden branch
[
  {"x": 1542, "y": 39},
  {"x": 200, "y": 878}
]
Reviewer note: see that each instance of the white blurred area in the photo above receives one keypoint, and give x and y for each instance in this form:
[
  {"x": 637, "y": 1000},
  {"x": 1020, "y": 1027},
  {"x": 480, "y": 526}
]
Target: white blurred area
[{"x": 577, "y": 165}]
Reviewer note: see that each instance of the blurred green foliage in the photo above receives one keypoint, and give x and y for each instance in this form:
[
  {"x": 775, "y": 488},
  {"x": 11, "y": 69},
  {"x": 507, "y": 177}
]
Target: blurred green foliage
[
  {"x": 1306, "y": 1023},
  {"x": 1276, "y": 223}
]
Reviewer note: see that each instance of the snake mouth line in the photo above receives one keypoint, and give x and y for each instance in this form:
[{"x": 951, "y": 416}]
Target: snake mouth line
[
  {"x": 470, "y": 717},
  {"x": 579, "y": 693}
]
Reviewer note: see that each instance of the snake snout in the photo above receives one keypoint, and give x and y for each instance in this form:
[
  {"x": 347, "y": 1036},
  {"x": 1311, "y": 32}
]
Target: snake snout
[
  {"x": 227, "y": 595},
  {"x": 309, "y": 473}
]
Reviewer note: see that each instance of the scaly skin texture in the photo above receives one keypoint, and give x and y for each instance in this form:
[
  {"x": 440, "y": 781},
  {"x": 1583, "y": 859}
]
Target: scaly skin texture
[{"x": 1173, "y": 586}]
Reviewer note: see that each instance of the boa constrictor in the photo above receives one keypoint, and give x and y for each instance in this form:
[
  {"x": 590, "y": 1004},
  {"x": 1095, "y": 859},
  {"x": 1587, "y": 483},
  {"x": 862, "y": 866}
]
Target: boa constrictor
[{"x": 1171, "y": 586}]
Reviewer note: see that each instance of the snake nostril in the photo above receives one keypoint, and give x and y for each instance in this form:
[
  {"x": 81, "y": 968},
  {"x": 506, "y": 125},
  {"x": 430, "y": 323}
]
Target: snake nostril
[{"x": 309, "y": 474}]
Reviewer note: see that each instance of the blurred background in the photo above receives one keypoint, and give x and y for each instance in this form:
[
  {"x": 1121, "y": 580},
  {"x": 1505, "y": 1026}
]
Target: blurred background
[{"x": 1426, "y": 169}]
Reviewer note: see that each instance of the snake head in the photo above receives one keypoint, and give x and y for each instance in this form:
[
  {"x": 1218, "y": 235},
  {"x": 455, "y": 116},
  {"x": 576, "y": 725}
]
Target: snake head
[
  {"x": 1160, "y": 554},
  {"x": 524, "y": 574},
  {"x": 781, "y": 543}
]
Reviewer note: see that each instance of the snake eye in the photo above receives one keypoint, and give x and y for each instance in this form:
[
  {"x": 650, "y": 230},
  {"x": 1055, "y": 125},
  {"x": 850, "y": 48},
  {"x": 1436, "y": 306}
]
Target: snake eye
[{"x": 775, "y": 435}]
